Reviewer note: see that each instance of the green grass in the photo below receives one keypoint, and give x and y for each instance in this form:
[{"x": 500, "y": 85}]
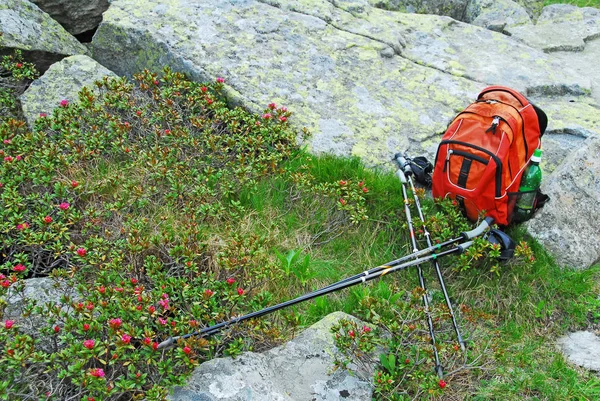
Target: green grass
[{"x": 578, "y": 3}]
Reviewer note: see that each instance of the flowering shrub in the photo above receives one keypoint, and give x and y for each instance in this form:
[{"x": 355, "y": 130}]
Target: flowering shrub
[{"x": 110, "y": 197}]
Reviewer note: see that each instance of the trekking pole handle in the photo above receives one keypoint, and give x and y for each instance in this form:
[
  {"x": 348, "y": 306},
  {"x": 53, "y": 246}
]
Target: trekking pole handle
[
  {"x": 403, "y": 164},
  {"x": 480, "y": 229}
]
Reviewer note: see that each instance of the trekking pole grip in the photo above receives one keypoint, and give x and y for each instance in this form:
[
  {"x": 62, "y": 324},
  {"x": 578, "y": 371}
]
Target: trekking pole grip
[{"x": 480, "y": 229}]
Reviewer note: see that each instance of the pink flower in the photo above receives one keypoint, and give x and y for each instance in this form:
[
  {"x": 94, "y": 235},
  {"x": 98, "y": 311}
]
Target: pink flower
[
  {"x": 164, "y": 303},
  {"x": 81, "y": 252},
  {"x": 22, "y": 226},
  {"x": 47, "y": 219},
  {"x": 240, "y": 291},
  {"x": 342, "y": 201},
  {"x": 230, "y": 280},
  {"x": 162, "y": 321},
  {"x": 6, "y": 141},
  {"x": 56, "y": 329},
  {"x": 151, "y": 309},
  {"x": 365, "y": 190},
  {"x": 90, "y": 306},
  {"x": 155, "y": 345},
  {"x": 64, "y": 206},
  {"x": 442, "y": 383},
  {"x": 64, "y": 103},
  {"x": 208, "y": 293},
  {"x": 220, "y": 80},
  {"x": 97, "y": 372},
  {"x": 351, "y": 333},
  {"x": 366, "y": 329},
  {"x": 89, "y": 344},
  {"x": 134, "y": 280},
  {"x": 147, "y": 341},
  {"x": 283, "y": 109},
  {"x": 283, "y": 119},
  {"x": 204, "y": 89},
  {"x": 101, "y": 289},
  {"x": 187, "y": 350},
  {"x": 115, "y": 323},
  {"x": 272, "y": 106},
  {"x": 266, "y": 116},
  {"x": 9, "y": 323},
  {"x": 86, "y": 327},
  {"x": 74, "y": 184},
  {"x": 43, "y": 115},
  {"x": 155, "y": 82},
  {"x": 8, "y": 159},
  {"x": 18, "y": 158},
  {"x": 126, "y": 338},
  {"x": 19, "y": 268},
  {"x": 119, "y": 289},
  {"x": 5, "y": 284}
]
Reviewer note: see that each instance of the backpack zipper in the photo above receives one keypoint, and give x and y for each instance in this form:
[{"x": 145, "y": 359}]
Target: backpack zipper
[
  {"x": 450, "y": 151},
  {"x": 495, "y": 123}
]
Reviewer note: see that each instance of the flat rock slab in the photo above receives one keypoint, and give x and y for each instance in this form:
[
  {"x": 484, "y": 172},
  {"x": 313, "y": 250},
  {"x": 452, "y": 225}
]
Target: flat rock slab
[
  {"x": 43, "y": 40},
  {"x": 62, "y": 81},
  {"x": 582, "y": 348},
  {"x": 297, "y": 370},
  {"x": 365, "y": 81}
]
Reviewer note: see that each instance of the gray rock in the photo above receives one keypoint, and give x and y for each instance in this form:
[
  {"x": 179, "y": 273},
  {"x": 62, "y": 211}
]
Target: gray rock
[
  {"x": 297, "y": 370},
  {"x": 364, "y": 81},
  {"x": 561, "y": 27},
  {"x": 496, "y": 14},
  {"x": 571, "y": 120},
  {"x": 40, "y": 291},
  {"x": 76, "y": 16},
  {"x": 582, "y": 348},
  {"x": 449, "y": 8},
  {"x": 567, "y": 225},
  {"x": 43, "y": 41},
  {"x": 63, "y": 80}
]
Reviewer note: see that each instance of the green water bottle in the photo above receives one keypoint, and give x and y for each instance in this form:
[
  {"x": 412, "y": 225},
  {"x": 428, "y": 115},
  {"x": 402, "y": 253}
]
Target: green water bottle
[{"x": 530, "y": 182}]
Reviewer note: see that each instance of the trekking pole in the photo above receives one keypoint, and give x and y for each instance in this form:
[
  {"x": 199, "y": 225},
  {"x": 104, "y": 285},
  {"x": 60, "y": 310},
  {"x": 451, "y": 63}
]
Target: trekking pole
[
  {"x": 207, "y": 331},
  {"x": 401, "y": 160},
  {"x": 404, "y": 170}
]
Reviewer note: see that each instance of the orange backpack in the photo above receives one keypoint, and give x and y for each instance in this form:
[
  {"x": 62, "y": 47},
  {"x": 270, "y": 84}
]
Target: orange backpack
[{"x": 484, "y": 152}]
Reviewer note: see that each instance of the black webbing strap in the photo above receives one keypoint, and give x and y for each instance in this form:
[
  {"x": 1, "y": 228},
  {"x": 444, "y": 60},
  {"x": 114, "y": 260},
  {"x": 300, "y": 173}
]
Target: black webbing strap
[{"x": 464, "y": 172}]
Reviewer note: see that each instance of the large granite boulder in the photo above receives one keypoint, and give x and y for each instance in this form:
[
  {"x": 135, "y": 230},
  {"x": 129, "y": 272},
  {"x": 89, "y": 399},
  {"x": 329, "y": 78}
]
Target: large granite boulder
[
  {"x": 42, "y": 40},
  {"x": 568, "y": 225},
  {"x": 297, "y": 370},
  {"x": 75, "y": 16},
  {"x": 365, "y": 81},
  {"x": 62, "y": 81}
]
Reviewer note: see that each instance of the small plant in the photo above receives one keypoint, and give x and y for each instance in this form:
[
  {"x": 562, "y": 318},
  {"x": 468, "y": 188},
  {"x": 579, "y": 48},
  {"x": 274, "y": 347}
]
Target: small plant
[
  {"x": 291, "y": 264},
  {"x": 15, "y": 76}
]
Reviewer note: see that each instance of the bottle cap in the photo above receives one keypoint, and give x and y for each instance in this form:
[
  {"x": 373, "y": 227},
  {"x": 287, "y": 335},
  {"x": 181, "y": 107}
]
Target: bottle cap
[{"x": 537, "y": 156}]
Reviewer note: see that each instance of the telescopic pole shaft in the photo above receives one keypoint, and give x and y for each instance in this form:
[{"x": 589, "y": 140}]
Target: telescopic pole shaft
[
  {"x": 437, "y": 266},
  {"x": 323, "y": 291},
  {"x": 401, "y": 175}
]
